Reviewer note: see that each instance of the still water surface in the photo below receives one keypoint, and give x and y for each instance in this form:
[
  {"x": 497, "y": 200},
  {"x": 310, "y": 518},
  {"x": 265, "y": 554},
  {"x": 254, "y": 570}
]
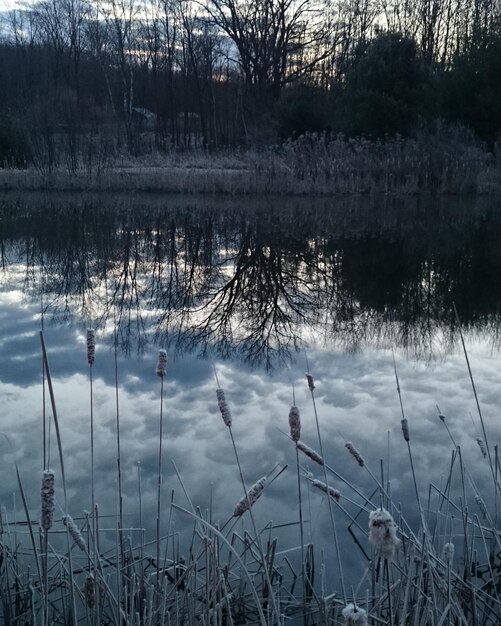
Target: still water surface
[{"x": 260, "y": 291}]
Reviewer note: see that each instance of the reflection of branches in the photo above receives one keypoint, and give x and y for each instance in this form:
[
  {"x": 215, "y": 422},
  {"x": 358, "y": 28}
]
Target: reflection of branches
[{"x": 254, "y": 283}]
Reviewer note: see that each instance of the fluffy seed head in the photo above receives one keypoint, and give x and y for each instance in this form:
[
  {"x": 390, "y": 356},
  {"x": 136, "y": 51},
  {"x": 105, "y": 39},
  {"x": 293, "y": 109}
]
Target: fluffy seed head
[
  {"x": 354, "y": 616},
  {"x": 314, "y": 456},
  {"x": 223, "y": 407},
  {"x": 74, "y": 532},
  {"x": 405, "y": 429},
  {"x": 91, "y": 346},
  {"x": 355, "y": 453},
  {"x": 311, "y": 384},
  {"x": 334, "y": 493},
  {"x": 47, "y": 500},
  {"x": 162, "y": 363},
  {"x": 252, "y": 495},
  {"x": 448, "y": 553},
  {"x": 295, "y": 423},
  {"x": 383, "y": 533}
]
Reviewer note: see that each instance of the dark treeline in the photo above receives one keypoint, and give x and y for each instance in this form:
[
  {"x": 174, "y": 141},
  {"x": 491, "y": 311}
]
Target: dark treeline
[
  {"x": 96, "y": 77},
  {"x": 260, "y": 280}
]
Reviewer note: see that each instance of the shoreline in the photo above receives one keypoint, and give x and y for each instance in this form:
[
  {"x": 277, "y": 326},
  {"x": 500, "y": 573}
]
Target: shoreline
[{"x": 313, "y": 168}]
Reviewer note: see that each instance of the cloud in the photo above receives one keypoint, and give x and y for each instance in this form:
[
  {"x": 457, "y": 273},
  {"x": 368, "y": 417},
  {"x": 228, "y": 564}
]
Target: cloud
[{"x": 355, "y": 399}]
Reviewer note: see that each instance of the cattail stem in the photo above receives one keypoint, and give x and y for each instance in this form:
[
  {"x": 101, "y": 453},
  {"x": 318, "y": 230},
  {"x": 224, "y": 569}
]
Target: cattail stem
[
  {"x": 301, "y": 534},
  {"x": 161, "y": 370},
  {"x": 311, "y": 386},
  {"x": 254, "y": 527}
]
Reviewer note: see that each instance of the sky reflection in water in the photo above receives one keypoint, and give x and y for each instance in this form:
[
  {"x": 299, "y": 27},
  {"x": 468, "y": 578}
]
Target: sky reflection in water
[{"x": 356, "y": 400}]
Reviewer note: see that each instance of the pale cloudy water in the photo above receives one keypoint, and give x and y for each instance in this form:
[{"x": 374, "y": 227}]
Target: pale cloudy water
[{"x": 356, "y": 400}]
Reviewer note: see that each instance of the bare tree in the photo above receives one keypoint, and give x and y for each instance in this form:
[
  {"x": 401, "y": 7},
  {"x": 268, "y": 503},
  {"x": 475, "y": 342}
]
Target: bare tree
[{"x": 273, "y": 39}]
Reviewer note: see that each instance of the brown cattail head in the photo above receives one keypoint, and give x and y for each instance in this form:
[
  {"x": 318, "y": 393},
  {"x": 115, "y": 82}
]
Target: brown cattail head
[
  {"x": 252, "y": 495},
  {"x": 162, "y": 363},
  {"x": 47, "y": 500},
  {"x": 91, "y": 346},
  {"x": 405, "y": 429},
  {"x": 295, "y": 423},
  {"x": 311, "y": 384},
  {"x": 383, "y": 532},
  {"x": 333, "y": 493},
  {"x": 314, "y": 456},
  {"x": 481, "y": 505},
  {"x": 74, "y": 532},
  {"x": 223, "y": 407},
  {"x": 354, "y": 616},
  {"x": 90, "y": 592},
  {"x": 355, "y": 453},
  {"x": 482, "y": 447}
]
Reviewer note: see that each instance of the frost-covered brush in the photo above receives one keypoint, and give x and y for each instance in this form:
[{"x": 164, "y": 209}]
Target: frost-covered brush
[
  {"x": 383, "y": 533},
  {"x": 354, "y": 616},
  {"x": 74, "y": 531}
]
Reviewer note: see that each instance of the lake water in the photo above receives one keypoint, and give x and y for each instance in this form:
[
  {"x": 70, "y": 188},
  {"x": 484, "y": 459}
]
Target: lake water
[{"x": 258, "y": 291}]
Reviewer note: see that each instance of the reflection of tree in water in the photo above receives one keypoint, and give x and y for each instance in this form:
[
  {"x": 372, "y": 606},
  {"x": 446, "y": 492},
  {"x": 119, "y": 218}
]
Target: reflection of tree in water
[{"x": 260, "y": 281}]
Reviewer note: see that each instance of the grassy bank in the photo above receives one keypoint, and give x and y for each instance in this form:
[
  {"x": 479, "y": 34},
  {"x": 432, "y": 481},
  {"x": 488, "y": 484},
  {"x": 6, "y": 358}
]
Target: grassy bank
[
  {"x": 436, "y": 562},
  {"x": 441, "y": 163}
]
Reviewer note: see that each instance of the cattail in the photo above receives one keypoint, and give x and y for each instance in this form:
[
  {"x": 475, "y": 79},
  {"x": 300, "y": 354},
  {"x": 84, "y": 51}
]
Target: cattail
[
  {"x": 481, "y": 445},
  {"x": 74, "y": 532},
  {"x": 334, "y": 493},
  {"x": 383, "y": 532},
  {"x": 314, "y": 456},
  {"x": 89, "y": 592},
  {"x": 481, "y": 505},
  {"x": 295, "y": 423},
  {"x": 162, "y": 363},
  {"x": 355, "y": 453},
  {"x": 223, "y": 407},
  {"x": 354, "y": 616},
  {"x": 252, "y": 495},
  {"x": 47, "y": 499},
  {"x": 91, "y": 346},
  {"x": 311, "y": 384},
  {"x": 448, "y": 553},
  {"x": 405, "y": 429}
]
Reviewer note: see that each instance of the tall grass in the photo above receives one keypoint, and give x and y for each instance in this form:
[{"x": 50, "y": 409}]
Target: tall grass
[
  {"x": 447, "y": 160},
  {"x": 435, "y": 563}
]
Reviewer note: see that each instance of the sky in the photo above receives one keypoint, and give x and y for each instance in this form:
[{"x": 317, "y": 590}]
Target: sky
[{"x": 355, "y": 400}]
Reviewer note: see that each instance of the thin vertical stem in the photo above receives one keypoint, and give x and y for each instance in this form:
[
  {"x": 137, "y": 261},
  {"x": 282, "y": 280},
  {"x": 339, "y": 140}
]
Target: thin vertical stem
[{"x": 159, "y": 493}]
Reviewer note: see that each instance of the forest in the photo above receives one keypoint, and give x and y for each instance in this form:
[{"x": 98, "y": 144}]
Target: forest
[{"x": 94, "y": 78}]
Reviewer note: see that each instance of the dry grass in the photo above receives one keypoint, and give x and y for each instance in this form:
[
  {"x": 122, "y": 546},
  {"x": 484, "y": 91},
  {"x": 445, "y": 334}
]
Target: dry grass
[{"x": 446, "y": 162}]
